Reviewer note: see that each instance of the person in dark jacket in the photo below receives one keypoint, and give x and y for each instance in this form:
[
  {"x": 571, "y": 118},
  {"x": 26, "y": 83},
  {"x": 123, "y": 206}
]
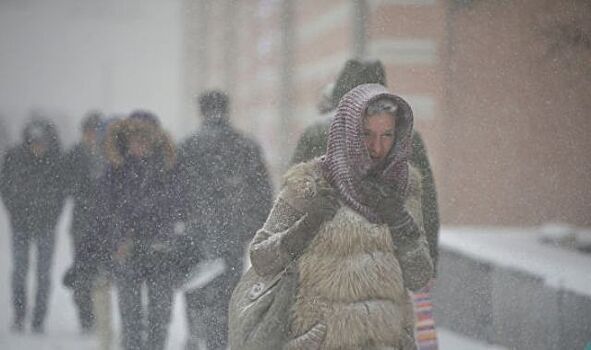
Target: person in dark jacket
[
  {"x": 32, "y": 189},
  {"x": 313, "y": 143},
  {"x": 139, "y": 199},
  {"x": 92, "y": 262},
  {"x": 229, "y": 191},
  {"x": 84, "y": 164}
]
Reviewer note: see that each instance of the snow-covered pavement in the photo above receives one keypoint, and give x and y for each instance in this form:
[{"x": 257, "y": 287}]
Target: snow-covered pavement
[
  {"x": 61, "y": 331},
  {"x": 61, "y": 327}
]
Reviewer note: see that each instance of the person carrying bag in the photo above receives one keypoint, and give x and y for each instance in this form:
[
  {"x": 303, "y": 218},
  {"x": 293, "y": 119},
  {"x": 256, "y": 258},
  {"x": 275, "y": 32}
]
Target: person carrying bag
[
  {"x": 260, "y": 304},
  {"x": 344, "y": 244}
]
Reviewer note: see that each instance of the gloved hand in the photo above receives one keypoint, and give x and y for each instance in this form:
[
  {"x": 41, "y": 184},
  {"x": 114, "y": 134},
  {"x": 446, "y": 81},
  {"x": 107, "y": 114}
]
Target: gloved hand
[
  {"x": 311, "y": 340},
  {"x": 388, "y": 202},
  {"x": 385, "y": 199},
  {"x": 320, "y": 208}
]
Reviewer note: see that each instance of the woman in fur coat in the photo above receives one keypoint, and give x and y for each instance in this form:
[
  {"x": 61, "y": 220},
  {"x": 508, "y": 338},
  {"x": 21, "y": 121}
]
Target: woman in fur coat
[{"x": 350, "y": 221}]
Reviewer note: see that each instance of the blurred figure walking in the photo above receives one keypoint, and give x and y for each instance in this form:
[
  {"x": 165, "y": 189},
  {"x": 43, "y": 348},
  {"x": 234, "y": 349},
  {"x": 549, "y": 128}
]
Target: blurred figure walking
[
  {"x": 32, "y": 189},
  {"x": 84, "y": 165},
  {"x": 92, "y": 263},
  {"x": 229, "y": 191},
  {"x": 139, "y": 199}
]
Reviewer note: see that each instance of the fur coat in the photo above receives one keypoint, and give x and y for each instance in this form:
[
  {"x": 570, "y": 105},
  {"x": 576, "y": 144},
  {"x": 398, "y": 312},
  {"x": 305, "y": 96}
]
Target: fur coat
[{"x": 353, "y": 276}]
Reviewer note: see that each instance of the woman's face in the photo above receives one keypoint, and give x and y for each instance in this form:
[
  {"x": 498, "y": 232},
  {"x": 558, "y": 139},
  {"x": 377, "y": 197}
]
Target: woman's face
[{"x": 378, "y": 135}]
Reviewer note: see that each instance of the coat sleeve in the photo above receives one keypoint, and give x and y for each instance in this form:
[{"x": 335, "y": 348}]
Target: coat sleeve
[
  {"x": 286, "y": 232},
  {"x": 410, "y": 240},
  {"x": 429, "y": 206},
  {"x": 72, "y": 170},
  {"x": 259, "y": 193},
  {"x": 269, "y": 253},
  {"x": 59, "y": 182},
  {"x": 8, "y": 187}
]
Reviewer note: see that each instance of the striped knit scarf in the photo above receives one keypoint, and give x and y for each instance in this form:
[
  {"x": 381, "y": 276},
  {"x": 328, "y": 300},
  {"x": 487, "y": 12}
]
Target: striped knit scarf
[{"x": 347, "y": 161}]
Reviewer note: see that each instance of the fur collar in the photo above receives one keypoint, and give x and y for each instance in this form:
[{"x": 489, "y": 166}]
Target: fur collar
[{"x": 117, "y": 138}]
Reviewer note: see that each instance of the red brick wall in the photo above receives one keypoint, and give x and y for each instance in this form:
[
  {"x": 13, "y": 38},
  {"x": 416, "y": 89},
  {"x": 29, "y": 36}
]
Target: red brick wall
[
  {"x": 504, "y": 115},
  {"x": 516, "y": 142}
]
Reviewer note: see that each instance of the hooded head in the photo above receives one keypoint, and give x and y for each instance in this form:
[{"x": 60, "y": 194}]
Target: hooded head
[
  {"x": 348, "y": 161},
  {"x": 90, "y": 126},
  {"x": 214, "y": 106},
  {"x": 40, "y": 135},
  {"x": 357, "y": 72},
  {"x": 145, "y": 116},
  {"x": 133, "y": 137}
]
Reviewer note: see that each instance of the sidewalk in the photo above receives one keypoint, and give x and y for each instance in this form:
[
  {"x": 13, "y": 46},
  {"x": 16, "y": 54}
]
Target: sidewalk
[{"x": 62, "y": 326}]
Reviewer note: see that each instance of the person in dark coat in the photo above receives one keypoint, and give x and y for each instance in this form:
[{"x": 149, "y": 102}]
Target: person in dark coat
[
  {"x": 139, "y": 199},
  {"x": 84, "y": 164},
  {"x": 229, "y": 191},
  {"x": 32, "y": 189}
]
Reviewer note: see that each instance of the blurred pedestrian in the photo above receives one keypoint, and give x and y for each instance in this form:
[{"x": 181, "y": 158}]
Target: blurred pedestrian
[
  {"x": 349, "y": 224},
  {"x": 138, "y": 193},
  {"x": 229, "y": 192},
  {"x": 313, "y": 142},
  {"x": 93, "y": 261},
  {"x": 84, "y": 165},
  {"x": 32, "y": 189}
]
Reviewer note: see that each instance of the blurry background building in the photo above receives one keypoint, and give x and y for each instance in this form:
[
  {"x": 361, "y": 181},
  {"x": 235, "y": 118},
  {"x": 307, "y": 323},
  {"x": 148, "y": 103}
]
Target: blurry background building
[
  {"x": 500, "y": 89},
  {"x": 61, "y": 58},
  {"x": 501, "y": 92}
]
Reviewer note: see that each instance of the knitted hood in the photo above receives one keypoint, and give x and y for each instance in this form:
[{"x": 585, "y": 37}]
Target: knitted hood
[{"x": 347, "y": 161}]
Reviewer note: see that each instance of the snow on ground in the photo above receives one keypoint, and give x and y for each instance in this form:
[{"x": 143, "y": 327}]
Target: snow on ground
[
  {"x": 61, "y": 329},
  {"x": 61, "y": 325},
  {"x": 449, "y": 340},
  {"x": 521, "y": 249}
]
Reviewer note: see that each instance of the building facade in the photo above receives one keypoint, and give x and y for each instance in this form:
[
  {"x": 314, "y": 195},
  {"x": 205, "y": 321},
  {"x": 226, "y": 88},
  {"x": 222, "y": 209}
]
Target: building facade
[{"x": 485, "y": 97}]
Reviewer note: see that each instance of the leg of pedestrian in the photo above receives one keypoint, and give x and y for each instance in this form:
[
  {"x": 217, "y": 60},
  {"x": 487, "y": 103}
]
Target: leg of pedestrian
[
  {"x": 20, "y": 258},
  {"x": 45, "y": 249},
  {"x": 101, "y": 296}
]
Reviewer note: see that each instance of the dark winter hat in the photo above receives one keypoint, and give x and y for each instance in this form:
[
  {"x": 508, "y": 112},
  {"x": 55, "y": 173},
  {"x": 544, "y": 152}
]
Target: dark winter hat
[
  {"x": 145, "y": 116},
  {"x": 38, "y": 131},
  {"x": 92, "y": 121},
  {"x": 214, "y": 103},
  {"x": 355, "y": 73},
  {"x": 41, "y": 131}
]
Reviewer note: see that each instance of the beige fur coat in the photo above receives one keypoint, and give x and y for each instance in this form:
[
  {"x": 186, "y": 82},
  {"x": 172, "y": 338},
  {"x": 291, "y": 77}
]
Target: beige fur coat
[{"x": 353, "y": 276}]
